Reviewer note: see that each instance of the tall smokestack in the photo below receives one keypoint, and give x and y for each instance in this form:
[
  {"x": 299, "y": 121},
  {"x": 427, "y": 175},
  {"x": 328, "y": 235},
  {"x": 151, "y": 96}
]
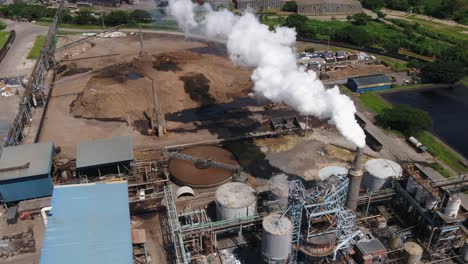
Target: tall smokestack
[{"x": 355, "y": 178}]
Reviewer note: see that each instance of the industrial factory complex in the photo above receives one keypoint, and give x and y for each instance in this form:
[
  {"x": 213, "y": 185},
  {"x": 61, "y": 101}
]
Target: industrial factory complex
[{"x": 138, "y": 147}]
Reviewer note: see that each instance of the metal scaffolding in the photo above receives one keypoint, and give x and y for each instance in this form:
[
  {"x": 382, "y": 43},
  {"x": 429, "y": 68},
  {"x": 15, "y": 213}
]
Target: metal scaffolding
[
  {"x": 174, "y": 225},
  {"x": 34, "y": 92},
  {"x": 296, "y": 201}
]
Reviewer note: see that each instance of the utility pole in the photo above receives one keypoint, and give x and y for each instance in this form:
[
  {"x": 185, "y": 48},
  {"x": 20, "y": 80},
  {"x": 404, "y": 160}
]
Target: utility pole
[
  {"x": 102, "y": 19},
  {"x": 141, "y": 44}
]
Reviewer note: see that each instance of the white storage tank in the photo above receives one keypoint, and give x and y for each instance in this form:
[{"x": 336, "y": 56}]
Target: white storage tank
[
  {"x": 235, "y": 200},
  {"x": 378, "y": 172},
  {"x": 328, "y": 171},
  {"x": 276, "y": 238},
  {"x": 413, "y": 253},
  {"x": 279, "y": 186},
  {"x": 453, "y": 205},
  {"x": 411, "y": 185}
]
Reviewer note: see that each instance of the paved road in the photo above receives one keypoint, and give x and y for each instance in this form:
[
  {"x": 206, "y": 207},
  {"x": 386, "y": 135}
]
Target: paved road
[{"x": 15, "y": 62}]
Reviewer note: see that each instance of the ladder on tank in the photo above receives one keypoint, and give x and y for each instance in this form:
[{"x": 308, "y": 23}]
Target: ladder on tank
[{"x": 296, "y": 199}]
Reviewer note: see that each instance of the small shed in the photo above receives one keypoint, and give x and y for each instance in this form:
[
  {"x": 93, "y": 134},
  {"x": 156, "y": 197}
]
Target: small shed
[
  {"x": 88, "y": 223},
  {"x": 104, "y": 156},
  {"x": 25, "y": 171},
  {"x": 369, "y": 83},
  {"x": 370, "y": 251}
]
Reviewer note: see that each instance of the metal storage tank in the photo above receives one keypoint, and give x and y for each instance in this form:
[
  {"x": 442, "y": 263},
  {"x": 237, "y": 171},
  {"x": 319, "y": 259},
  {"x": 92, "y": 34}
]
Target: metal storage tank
[
  {"x": 395, "y": 241},
  {"x": 279, "y": 186},
  {"x": 413, "y": 253},
  {"x": 276, "y": 238},
  {"x": 411, "y": 185},
  {"x": 328, "y": 171},
  {"x": 320, "y": 245},
  {"x": 453, "y": 205},
  {"x": 235, "y": 200},
  {"x": 378, "y": 172}
]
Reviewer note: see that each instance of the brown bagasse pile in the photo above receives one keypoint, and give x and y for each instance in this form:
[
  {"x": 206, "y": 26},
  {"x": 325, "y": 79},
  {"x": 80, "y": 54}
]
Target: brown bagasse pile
[{"x": 183, "y": 79}]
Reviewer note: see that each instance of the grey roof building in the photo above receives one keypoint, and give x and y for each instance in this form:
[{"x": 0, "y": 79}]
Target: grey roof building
[
  {"x": 25, "y": 171},
  {"x": 104, "y": 156}
]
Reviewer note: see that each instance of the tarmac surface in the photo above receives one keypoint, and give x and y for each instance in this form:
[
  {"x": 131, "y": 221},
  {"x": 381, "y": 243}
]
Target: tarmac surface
[{"x": 15, "y": 62}]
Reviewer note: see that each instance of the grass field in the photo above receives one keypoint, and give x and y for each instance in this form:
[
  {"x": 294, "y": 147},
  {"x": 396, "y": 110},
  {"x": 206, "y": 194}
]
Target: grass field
[
  {"x": 35, "y": 52},
  {"x": 374, "y": 102},
  {"x": 440, "y": 151},
  {"x": 3, "y": 37},
  {"x": 451, "y": 31}
]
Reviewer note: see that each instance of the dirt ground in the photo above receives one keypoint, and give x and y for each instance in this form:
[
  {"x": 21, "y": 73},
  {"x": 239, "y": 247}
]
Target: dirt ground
[{"x": 188, "y": 74}]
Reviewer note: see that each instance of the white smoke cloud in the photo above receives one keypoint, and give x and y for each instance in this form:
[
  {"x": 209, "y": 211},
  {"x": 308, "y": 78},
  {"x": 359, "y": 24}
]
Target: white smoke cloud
[{"x": 276, "y": 76}]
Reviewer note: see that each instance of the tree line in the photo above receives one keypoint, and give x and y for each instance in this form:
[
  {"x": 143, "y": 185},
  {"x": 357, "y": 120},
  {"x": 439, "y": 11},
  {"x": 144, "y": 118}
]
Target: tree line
[{"x": 81, "y": 17}]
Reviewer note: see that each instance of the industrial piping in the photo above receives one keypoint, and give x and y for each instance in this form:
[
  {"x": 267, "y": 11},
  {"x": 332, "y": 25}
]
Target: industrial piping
[{"x": 355, "y": 178}]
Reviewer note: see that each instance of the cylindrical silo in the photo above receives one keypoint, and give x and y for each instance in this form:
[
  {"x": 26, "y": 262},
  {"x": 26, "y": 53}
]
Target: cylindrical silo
[
  {"x": 276, "y": 238},
  {"x": 279, "y": 186},
  {"x": 318, "y": 246},
  {"x": 420, "y": 195},
  {"x": 411, "y": 185},
  {"x": 235, "y": 200},
  {"x": 413, "y": 253},
  {"x": 453, "y": 205},
  {"x": 378, "y": 172},
  {"x": 395, "y": 241},
  {"x": 381, "y": 222},
  {"x": 328, "y": 171}
]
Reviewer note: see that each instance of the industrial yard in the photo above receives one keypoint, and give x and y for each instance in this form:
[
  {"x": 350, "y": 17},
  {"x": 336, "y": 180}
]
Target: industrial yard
[{"x": 138, "y": 147}]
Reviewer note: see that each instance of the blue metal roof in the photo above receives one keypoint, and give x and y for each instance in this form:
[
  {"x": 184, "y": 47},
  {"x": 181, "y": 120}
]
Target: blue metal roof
[
  {"x": 38, "y": 158},
  {"x": 88, "y": 223}
]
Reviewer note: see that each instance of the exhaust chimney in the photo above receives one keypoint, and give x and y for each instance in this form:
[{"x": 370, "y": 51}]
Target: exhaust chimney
[{"x": 355, "y": 178}]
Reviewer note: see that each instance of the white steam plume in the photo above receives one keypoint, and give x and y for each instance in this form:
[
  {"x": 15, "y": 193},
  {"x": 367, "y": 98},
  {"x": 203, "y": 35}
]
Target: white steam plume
[{"x": 276, "y": 76}]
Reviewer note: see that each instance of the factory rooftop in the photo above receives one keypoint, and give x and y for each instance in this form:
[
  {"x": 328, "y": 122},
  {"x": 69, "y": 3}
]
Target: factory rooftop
[
  {"x": 374, "y": 79},
  {"x": 88, "y": 223},
  {"x": 104, "y": 151},
  {"x": 26, "y": 161}
]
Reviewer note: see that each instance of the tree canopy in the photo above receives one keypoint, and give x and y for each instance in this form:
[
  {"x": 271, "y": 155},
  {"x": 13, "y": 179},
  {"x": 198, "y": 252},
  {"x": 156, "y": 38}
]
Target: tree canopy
[
  {"x": 290, "y": 6},
  {"x": 404, "y": 118},
  {"x": 442, "y": 71}
]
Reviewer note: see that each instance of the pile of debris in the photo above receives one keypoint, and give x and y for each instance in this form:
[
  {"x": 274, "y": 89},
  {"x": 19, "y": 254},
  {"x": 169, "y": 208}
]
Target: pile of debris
[
  {"x": 6, "y": 91},
  {"x": 21, "y": 243}
]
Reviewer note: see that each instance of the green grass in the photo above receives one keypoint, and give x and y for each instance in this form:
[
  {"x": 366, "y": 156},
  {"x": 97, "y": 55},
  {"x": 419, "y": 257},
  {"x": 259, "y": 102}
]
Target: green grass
[
  {"x": 451, "y": 31},
  {"x": 440, "y": 151},
  {"x": 374, "y": 102},
  {"x": 35, "y": 52},
  {"x": 415, "y": 55},
  {"x": 3, "y": 38}
]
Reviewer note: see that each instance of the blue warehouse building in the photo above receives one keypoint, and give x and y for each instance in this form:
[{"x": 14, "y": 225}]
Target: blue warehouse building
[
  {"x": 88, "y": 223},
  {"x": 369, "y": 83},
  {"x": 25, "y": 172}
]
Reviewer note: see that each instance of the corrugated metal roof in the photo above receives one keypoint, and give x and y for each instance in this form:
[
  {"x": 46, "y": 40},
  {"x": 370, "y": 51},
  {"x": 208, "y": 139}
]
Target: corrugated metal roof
[
  {"x": 38, "y": 155},
  {"x": 371, "y": 79},
  {"x": 104, "y": 151},
  {"x": 88, "y": 223},
  {"x": 371, "y": 246}
]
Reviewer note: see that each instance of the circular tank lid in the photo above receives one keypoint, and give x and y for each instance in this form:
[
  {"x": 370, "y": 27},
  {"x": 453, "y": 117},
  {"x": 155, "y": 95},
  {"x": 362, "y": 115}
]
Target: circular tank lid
[
  {"x": 279, "y": 185},
  {"x": 328, "y": 171},
  {"x": 190, "y": 174},
  {"x": 235, "y": 195},
  {"x": 413, "y": 248},
  {"x": 277, "y": 225},
  {"x": 383, "y": 168}
]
